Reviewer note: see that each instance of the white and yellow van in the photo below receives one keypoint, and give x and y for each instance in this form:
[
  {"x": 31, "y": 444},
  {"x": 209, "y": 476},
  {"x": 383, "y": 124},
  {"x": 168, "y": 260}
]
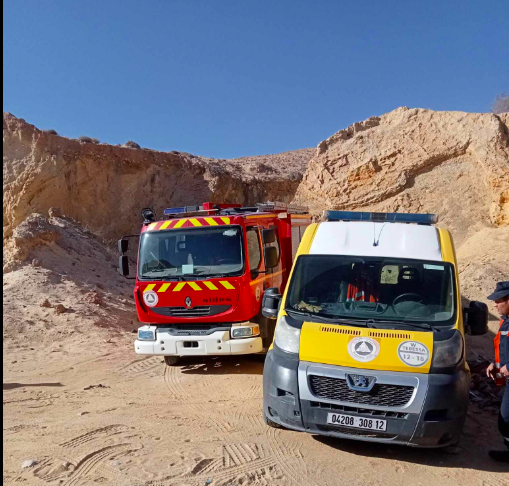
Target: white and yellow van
[{"x": 370, "y": 334}]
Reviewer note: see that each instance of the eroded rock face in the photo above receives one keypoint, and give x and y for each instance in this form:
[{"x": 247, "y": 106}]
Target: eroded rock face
[
  {"x": 104, "y": 187},
  {"x": 452, "y": 163}
]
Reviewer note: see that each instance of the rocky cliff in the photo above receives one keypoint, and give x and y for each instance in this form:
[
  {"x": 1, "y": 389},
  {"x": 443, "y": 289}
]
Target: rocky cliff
[
  {"x": 451, "y": 163},
  {"x": 104, "y": 187}
]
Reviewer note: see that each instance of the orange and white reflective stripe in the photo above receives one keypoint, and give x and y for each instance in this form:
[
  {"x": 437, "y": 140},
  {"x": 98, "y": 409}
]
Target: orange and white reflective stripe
[
  {"x": 267, "y": 277},
  {"x": 188, "y": 223},
  {"x": 196, "y": 286}
]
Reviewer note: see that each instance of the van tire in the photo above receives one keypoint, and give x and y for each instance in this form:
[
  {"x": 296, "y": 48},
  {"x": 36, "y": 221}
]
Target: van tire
[
  {"x": 271, "y": 423},
  {"x": 171, "y": 360}
]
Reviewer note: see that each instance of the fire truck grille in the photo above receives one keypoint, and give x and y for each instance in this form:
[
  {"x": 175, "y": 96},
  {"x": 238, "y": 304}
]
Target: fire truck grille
[
  {"x": 381, "y": 395},
  {"x": 198, "y": 311},
  {"x": 196, "y": 329}
]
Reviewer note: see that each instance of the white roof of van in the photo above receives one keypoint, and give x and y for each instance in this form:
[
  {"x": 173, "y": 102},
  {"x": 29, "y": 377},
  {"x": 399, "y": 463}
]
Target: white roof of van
[{"x": 395, "y": 240}]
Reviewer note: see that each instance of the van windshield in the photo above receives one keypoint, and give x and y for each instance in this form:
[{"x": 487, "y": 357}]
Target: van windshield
[
  {"x": 203, "y": 252},
  {"x": 378, "y": 289}
]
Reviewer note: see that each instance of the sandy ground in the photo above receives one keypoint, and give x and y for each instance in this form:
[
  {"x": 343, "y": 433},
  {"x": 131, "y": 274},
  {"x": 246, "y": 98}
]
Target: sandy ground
[
  {"x": 90, "y": 411},
  {"x": 87, "y": 410}
]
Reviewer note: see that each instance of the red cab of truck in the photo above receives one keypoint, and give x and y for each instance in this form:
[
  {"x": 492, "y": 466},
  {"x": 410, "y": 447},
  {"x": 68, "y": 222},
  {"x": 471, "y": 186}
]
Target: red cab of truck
[{"x": 202, "y": 272}]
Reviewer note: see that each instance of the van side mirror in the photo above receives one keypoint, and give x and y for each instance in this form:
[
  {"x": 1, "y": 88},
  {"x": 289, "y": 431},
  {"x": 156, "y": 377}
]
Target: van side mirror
[
  {"x": 268, "y": 236},
  {"x": 123, "y": 266},
  {"x": 477, "y": 318},
  {"x": 271, "y": 257},
  {"x": 270, "y": 303},
  {"x": 123, "y": 246}
]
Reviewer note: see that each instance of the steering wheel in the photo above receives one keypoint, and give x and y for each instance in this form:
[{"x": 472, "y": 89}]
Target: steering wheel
[
  {"x": 420, "y": 299},
  {"x": 162, "y": 263},
  {"x": 226, "y": 261},
  {"x": 421, "y": 304}
]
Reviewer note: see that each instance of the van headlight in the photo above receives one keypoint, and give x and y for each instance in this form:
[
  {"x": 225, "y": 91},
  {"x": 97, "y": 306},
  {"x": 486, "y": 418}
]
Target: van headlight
[
  {"x": 146, "y": 333},
  {"x": 287, "y": 337},
  {"x": 448, "y": 353}
]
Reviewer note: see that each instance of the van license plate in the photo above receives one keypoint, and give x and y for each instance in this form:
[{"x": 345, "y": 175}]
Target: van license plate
[{"x": 356, "y": 422}]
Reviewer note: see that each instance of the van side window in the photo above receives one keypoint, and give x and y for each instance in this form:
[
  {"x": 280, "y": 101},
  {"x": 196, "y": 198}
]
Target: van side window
[{"x": 254, "y": 248}]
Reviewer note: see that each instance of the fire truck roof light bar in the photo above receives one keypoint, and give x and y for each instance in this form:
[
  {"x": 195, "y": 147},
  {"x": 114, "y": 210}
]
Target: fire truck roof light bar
[
  {"x": 182, "y": 210},
  {"x": 281, "y": 206},
  {"x": 380, "y": 217}
]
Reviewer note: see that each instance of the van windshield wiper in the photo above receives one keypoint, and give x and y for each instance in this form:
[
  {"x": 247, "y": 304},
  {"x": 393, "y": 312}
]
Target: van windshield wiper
[{"x": 419, "y": 325}]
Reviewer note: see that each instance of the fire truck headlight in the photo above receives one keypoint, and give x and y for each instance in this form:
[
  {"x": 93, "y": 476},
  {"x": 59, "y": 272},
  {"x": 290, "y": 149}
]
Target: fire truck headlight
[
  {"x": 146, "y": 334},
  {"x": 287, "y": 337},
  {"x": 248, "y": 330}
]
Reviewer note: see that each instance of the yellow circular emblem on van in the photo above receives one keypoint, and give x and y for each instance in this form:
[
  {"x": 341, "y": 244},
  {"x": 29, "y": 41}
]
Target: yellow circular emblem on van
[{"x": 363, "y": 349}]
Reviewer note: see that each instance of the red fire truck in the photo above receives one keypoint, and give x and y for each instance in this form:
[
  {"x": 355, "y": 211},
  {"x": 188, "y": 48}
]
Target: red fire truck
[{"x": 202, "y": 272}]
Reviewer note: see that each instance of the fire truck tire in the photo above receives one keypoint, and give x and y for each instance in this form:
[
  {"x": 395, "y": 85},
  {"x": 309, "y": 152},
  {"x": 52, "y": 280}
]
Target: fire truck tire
[
  {"x": 271, "y": 423},
  {"x": 171, "y": 360}
]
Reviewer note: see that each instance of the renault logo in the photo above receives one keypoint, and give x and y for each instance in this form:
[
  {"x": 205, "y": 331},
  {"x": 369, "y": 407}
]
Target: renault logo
[
  {"x": 360, "y": 382},
  {"x": 188, "y": 302}
]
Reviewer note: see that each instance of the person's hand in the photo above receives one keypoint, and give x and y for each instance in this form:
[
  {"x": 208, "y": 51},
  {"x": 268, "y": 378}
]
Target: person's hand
[
  {"x": 504, "y": 371},
  {"x": 490, "y": 371}
]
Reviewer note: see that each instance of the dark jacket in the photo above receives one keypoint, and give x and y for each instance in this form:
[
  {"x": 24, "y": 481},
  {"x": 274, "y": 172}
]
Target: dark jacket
[{"x": 504, "y": 342}]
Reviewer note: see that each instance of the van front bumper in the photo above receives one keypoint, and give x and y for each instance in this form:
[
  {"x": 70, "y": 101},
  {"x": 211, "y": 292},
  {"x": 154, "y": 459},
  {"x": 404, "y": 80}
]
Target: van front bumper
[
  {"x": 218, "y": 343},
  {"x": 433, "y": 416}
]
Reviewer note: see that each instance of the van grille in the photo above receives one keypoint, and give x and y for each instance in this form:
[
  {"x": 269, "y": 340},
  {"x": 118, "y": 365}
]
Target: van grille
[
  {"x": 381, "y": 395},
  {"x": 359, "y": 411}
]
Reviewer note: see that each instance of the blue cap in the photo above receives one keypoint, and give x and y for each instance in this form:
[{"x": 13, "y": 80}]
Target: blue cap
[{"x": 501, "y": 291}]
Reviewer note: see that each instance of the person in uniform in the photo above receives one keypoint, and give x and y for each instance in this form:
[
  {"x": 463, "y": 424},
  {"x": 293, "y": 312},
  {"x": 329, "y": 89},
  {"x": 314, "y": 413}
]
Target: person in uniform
[{"x": 498, "y": 371}]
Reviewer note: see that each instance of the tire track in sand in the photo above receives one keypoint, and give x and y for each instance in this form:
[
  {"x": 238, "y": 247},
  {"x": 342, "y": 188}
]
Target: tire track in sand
[{"x": 107, "y": 431}]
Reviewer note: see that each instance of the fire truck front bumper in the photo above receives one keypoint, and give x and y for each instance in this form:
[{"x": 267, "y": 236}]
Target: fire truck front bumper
[{"x": 161, "y": 341}]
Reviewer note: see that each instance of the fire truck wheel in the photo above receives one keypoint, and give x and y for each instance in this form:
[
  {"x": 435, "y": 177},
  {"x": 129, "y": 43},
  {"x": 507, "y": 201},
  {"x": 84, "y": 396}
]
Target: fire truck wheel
[
  {"x": 271, "y": 423},
  {"x": 171, "y": 360}
]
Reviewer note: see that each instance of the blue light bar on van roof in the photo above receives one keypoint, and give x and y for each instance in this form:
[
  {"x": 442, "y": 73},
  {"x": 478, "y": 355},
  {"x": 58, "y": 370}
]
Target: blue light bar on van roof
[
  {"x": 380, "y": 217},
  {"x": 181, "y": 210}
]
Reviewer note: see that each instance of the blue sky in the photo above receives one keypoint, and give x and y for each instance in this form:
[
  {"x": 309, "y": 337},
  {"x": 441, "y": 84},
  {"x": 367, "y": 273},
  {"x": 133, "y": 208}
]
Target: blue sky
[{"x": 225, "y": 79}]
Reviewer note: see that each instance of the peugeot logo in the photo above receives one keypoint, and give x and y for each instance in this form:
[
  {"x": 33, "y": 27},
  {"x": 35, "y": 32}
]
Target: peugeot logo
[
  {"x": 188, "y": 302},
  {"x": 360, "y": 382}
]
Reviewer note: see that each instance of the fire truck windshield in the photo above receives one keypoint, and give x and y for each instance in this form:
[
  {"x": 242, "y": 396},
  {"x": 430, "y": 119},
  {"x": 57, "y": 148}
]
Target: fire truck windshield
[{"x": 196, "y": 252}]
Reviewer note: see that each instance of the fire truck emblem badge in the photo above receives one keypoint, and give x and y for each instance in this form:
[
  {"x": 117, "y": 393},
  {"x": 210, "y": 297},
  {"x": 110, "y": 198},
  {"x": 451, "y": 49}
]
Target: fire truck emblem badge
[
  {"x": 363, "y": 349},
  {"x": 150, "y": 298},
  {"x": 188, "y": 302}
]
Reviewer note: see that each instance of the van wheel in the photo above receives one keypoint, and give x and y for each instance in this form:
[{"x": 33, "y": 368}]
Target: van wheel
[
  {"x": 171, "y": 360},
  {"x": 271, "y": 423}
]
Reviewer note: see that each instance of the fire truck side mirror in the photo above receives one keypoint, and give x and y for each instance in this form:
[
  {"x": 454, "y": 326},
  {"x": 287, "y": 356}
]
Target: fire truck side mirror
[
  {"x": 123, "y": 246},
  {"x": 123, "y": 265},
  {"x": 477, "y": 318},
  {"x": 270, "y": 303},
  {"x": 271, "y": 257}
]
